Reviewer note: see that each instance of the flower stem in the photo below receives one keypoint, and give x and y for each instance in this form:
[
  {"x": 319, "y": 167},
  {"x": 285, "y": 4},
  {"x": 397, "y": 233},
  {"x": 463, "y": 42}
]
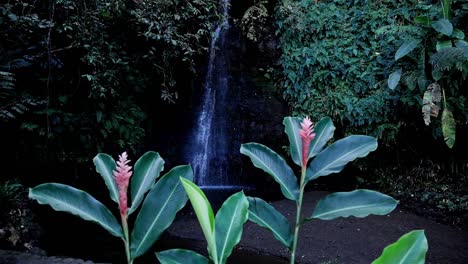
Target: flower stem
[
  {"x": 126, "y": 239},
  {"x": 298, "y": 216}
]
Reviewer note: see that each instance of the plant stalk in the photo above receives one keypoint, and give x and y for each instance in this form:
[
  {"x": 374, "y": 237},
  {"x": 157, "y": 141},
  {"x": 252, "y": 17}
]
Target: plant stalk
[
  {"x": 298, "y": 216},
  {"x": 126, "y": 239}
]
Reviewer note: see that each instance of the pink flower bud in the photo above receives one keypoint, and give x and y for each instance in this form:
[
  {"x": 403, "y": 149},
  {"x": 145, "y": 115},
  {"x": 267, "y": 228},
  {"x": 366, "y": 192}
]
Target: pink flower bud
[
  {"x": 307, "y": 135},
  {"x": 122, "y": 177}
]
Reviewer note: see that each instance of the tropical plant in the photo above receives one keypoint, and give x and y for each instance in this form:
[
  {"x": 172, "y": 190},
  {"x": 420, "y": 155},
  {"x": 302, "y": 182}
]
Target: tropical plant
[
  {"x": 158, "y": 209},
  {"x": 411, "y": 248},
  {"x": 307, "y": 142},
  {"x": 441, "y": 66},
  {"x": 222, "y": 232}
]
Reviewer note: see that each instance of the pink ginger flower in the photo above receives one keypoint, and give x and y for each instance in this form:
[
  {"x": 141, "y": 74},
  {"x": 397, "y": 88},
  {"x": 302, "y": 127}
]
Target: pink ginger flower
[
  {"x": 122, "y": 177},
  {"x": 307, "y": 135}
]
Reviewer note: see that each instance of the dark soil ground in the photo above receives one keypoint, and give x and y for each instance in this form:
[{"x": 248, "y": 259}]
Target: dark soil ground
[{"x": 347, "y": 241}]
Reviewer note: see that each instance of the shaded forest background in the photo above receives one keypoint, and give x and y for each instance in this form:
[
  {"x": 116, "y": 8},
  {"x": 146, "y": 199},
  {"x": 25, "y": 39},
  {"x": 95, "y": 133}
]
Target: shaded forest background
[{"x": 88, "y": 76}]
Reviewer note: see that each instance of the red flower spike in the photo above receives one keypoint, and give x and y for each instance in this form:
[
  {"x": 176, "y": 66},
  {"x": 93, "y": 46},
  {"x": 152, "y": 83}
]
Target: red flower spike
[
  {"x": 122, "y": 177},
  {"x": 307, "y": 135}
]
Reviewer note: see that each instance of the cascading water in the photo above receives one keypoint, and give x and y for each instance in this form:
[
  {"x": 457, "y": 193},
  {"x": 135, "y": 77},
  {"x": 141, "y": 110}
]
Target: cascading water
[{"x": 209, "y": 151}]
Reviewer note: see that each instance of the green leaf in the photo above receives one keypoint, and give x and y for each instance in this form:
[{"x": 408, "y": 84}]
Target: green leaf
[
  {"x": 71, "y": 200},
  {"x": 336, "y": 156},
  {"x": 424, "y": 20},
  {"x": 409, "y": 249},
  {"x": 229, "y": 222},
  {"x": 269, "y": 161},
  {"x": 159, "y": 209},
  {"x": 394, "y": 79},
  {"x": 105, "y": 166},
  {"x": 265, "y": 215},
  {"x": 458, "y": 34},
  {"x": 461, "y": 43},
  {"x": 442, "y": 44},
  {"x": 291, "y": 127},
  {"x": 446, "y": 7},
  {"x": 324, "y": 130},
  {"x": 443, "y": 26},
  {"x": 406, "y": 48},
  {"x": 181, "y": 256},
  {"x": 448, "y": 128},
  {"x": 358, "y": 203},
  {"x": 436, "y": 74},
  {"x": 204, "y": 213},
  {"x": 147, "y": 170}
]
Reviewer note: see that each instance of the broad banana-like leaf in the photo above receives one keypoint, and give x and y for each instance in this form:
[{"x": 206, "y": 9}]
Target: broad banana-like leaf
[
  {"x": 448, "y": 128},
  {"x": 394, "y": 79},
  {"x": 229, "y": 223},
  {"x": 431, "y": 96},
  {"x": 146, "y": 171},
  {"x": 159, "y": 209},
  {"x": 265, "y": 215},
  {"x": 292, "y": 125},
  {"x": 65, "y": 198},
  {"x": 269, "y": 161},
  {"x": 204, "y": 213},
  {"x": 406, "y": 48},
  {"x": 443, "y": 26},
  {"x": 105, "y": 166},
  {"x": 323, "y": 130},
  {"x": 358, "y": 203},
  {"x": 409, "y": 249},
  {"x": 181, "y": 256},
  {"x": 336, "y": 156}
]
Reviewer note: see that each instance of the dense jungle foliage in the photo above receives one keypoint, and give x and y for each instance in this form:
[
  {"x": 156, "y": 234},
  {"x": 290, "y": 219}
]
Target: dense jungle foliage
[
  {"x": 81, "y": 76},
  {"x": 337, "y": 56}
]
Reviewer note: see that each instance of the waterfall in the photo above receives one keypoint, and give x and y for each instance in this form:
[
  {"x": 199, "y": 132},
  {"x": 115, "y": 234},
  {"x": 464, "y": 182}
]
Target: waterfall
[{"x": 209, "y": 149}]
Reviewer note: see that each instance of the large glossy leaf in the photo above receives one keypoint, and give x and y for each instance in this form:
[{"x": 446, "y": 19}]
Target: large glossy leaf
[
  {"x": 336, "y": 156},
  {"x": 269, "y": 161},
  {"x": 394, "y": 79},
  {"x": 358, "y": 203},
  {"x": 448, "y": 128},
  {"x": 147, "y": 170},
  {"x": 323, "y": 130},
  {"x": 181, "y": 256},
  {"x": 406, "y": 48},
  {"x": 265, "y": 215},
  {"x": 159, "y": 209},
  {"x": 443, "y": 26},
  {"x": 204, "y": 213},
  {"x": 291, "y": 127},
  {"x": 74, "y": 201},
  {"x": 409, "y": 249},
  {"x": 229, "y": 223},
  {"x": 105, "y": 166}
]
